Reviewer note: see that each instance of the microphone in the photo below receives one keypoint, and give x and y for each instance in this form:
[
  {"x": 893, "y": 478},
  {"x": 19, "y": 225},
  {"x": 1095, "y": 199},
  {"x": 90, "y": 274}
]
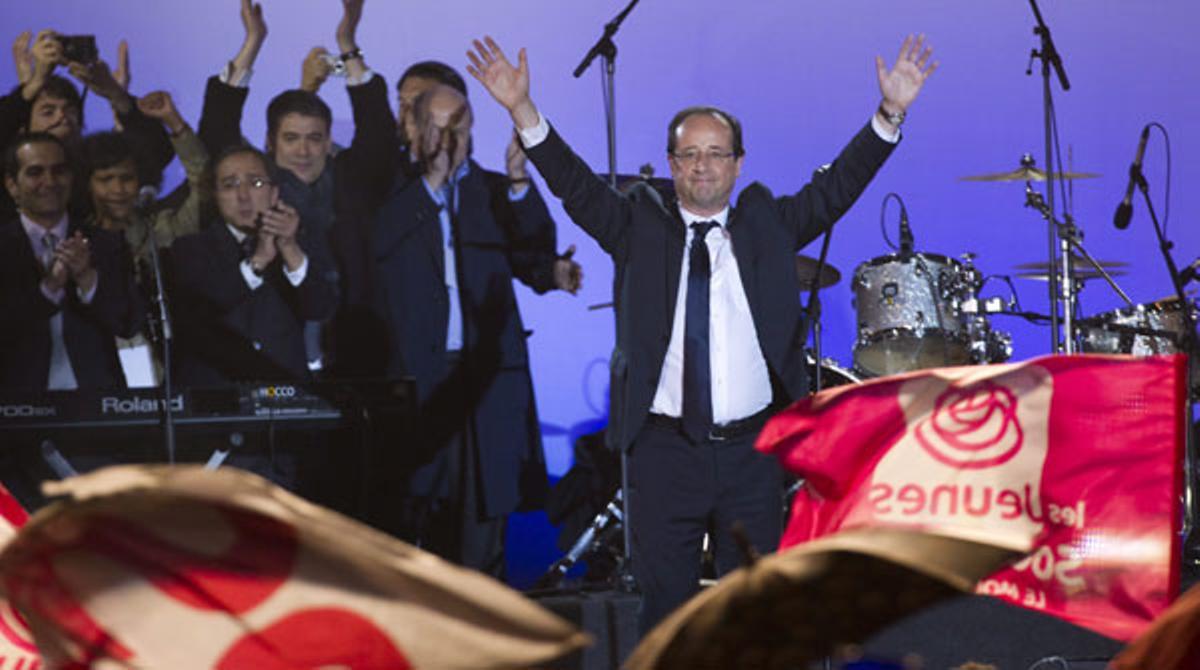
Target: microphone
[
  {"x": 1125, "y": 209},
  {"x": 906, "y": 236},
  {"x": 146, "y": 196},
  {"x": 1190, "y": 272}
]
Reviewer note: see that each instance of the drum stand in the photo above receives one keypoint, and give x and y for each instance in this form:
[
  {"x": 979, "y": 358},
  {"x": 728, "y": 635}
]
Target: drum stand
[
  {"x": 1072, "y": 242},
  {"x": 598, "y": 535}
]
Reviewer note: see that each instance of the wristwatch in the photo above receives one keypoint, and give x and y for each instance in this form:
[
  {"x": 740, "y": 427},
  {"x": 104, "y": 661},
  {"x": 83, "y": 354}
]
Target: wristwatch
[{"x": 893, "y": 118}]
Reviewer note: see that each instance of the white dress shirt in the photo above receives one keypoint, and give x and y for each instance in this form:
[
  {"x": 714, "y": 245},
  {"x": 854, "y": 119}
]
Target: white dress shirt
[
  {"x": 741, "y": 385},
  {"x": 62, "y": 374}
]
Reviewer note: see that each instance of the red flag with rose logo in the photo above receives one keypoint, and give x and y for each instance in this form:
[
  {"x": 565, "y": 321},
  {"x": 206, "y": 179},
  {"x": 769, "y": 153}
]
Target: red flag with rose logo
[{"x": 1083, "y": 453}]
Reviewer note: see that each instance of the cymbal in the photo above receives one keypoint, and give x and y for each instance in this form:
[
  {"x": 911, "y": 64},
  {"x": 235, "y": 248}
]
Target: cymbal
[
  {"x": 628, "y": 181},
  {"x": 1028, "y": 174},
  {"x": 806, "y": 271},
  {"x": 1079, "y": 262},
  {"x": 1081, "y": 274}
]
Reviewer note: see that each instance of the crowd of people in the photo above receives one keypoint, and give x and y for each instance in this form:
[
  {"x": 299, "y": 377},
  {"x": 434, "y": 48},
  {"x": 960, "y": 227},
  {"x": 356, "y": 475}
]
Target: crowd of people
[
  {"x": 394, "y": 256},
  {"x": 296, "y": 261}
]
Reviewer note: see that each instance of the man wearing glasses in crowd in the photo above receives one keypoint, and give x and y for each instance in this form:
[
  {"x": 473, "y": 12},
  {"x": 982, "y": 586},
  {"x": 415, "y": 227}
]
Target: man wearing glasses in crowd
[{"x": 710, "y": 338}]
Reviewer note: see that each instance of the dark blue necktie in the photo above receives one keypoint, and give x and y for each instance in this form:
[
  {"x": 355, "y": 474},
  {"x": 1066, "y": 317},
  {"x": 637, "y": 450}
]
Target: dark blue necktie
[{"x": 697, "y": 377}]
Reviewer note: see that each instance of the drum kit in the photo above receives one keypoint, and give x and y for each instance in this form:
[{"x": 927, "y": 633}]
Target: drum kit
[{"x": 917, "y": 310}]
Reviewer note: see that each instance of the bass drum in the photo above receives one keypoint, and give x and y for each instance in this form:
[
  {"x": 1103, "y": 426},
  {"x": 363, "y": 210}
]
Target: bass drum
[
  {"x": 1142, "y": 330},
  {"x": 908, "y": 314},
  {"x": 832, "y": 374}
]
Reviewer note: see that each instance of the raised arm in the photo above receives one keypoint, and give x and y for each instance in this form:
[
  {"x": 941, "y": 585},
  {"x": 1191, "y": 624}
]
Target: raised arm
[
  {"x": 347, "y": 40},
  {"x": 900, "y": 84},
  {"x": 834, "y": 189},
  {"x": 599, "y": 210},
  {"x": 255, "y": 28},
  {"x": 225, "y": 96},
  {"x": 508, "y": 85},
  {"x": 184, "y": 219}
]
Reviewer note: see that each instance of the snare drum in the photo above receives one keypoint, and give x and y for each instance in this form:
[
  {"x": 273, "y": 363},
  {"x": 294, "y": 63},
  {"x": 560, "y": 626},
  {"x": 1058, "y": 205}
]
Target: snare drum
[
  {"x": 908, "y": 314},
  {"x": 1142, "y": 330}
]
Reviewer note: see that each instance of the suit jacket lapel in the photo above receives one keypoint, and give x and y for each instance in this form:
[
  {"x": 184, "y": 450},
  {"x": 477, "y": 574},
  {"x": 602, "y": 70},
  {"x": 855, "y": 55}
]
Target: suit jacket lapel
[
  {"x": 744, "y": 250},
  {"x": 675, "y": 239},
  {"x": 17, "y": 237}
]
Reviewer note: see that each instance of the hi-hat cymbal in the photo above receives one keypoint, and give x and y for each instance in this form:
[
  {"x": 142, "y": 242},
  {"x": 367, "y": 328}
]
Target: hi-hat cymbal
[
  {"x": 806, "y": 272},
  {"x": 1079, "y": 262},
  {"x": 1028, "y": 173}
]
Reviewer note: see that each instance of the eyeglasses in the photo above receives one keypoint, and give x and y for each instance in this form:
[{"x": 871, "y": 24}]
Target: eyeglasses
[
  {"x": 234, "y": 183},
  {"x": 693, "y": 156}
]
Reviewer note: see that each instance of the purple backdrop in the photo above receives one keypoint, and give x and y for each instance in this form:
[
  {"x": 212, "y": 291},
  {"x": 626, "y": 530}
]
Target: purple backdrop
[{"x": 800, "y": 76}]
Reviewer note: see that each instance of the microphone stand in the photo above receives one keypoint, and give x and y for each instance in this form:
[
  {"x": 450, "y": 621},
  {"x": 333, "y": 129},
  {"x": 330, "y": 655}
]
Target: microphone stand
[
  {"x": 1190, "y": 345},
  {"x": 814, "y": 309},
  {"x": 166, "y": 335},
  {"x": 1061, "y": 273},
  {"x": 608, "y": 49}
]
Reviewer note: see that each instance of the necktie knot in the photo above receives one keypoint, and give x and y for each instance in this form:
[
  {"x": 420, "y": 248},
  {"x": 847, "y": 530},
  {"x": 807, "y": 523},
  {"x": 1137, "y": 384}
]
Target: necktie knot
[{"x": 700, "y": 230}]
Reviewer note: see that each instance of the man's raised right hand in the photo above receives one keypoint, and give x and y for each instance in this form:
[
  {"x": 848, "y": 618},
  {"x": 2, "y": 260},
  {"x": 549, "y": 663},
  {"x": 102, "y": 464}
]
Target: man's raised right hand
[{"x": 508, "y": 85}]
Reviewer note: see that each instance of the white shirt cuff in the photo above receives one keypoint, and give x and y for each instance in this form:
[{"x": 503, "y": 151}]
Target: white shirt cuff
[
  {"x": 361, "y": 79},
  {"x": 252, "y": 280},
  {"x": 55, "y": 297},
  {"x": 226, "y": 76},
  {"x": 86, "y": 298},
  {"x": 531, "y": 137},
  {"x": 883, "y": 133},
  {"x": 297, "y": 278}
]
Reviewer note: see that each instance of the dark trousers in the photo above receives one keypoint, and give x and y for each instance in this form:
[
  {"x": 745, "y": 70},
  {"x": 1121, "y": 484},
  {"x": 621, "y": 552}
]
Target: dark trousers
[
  {"x": 678, "y": 492},
  {"x": 456, "y": 528}
]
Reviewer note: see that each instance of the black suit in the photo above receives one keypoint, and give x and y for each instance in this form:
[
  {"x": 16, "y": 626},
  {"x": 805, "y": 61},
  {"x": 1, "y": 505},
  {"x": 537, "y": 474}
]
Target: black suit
[
  {"x": 228, "y": 332},
  {"x": 679, "y": 488},
  {"x": 488, "y": 392},
  {"x": 88, "y": 329},
  {"x": 362, "y": 175}
]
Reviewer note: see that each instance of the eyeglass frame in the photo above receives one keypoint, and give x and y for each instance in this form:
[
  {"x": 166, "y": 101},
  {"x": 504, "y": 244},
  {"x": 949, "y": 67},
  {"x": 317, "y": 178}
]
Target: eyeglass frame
[
  {"x": 231, "y": 184},
  {"x": 693, "y": 156}
]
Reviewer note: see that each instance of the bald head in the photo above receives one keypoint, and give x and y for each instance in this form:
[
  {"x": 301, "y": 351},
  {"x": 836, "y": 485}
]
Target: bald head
[
  {"x": 442, "y": 107},
  {"x": 443, "y": 119}
]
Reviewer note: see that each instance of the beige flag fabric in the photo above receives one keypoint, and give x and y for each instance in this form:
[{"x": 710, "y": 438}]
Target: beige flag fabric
[
  {"x": 795, "y": 607},
  {"x": 181, "y": 567}
]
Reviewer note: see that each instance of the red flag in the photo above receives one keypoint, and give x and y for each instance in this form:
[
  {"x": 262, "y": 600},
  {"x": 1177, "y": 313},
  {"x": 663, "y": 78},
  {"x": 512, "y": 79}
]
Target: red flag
[
  {"x": 1081, "y": 452},
  {"x": 17, "y": 650},
  {"x": 179, "y": 567}
]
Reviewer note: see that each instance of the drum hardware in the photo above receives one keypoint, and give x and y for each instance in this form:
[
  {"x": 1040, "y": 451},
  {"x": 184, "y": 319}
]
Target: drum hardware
[
  {"x": 1072, "y": 250},
  {"x": 1142, "y": 330},
  {"x": 834, "y": 374},
  {"x": 1028, "y": 173},
  {"x": 1081, "y": 275},
  {"x": 810, "y": 271}
]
